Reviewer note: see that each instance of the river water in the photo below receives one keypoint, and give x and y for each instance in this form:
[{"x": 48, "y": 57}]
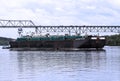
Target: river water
[{"x": 60, "y": 65}]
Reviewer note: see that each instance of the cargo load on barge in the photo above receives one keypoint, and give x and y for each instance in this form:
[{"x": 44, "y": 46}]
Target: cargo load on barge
[{"x": 58, "y": 42}]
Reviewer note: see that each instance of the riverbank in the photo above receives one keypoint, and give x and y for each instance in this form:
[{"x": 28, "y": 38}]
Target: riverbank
[
  {"x": 5, "y": 41},
  {"x": 113, "y": 40}
]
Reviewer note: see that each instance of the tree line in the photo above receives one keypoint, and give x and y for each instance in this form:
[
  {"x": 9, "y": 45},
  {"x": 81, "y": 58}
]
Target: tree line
[
  {"x": 4, "y": 41},
  {"x": 113, "y": 40}
]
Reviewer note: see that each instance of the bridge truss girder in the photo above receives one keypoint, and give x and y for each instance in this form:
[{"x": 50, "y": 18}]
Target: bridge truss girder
[
  {"x": 78, "y": 29},
  {"x": 15, "y": 23},
  {"x": 62, "y": 29}
]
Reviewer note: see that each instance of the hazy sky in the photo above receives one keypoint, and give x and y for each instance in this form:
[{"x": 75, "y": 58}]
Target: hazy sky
[{"x": 61, "y": 12}]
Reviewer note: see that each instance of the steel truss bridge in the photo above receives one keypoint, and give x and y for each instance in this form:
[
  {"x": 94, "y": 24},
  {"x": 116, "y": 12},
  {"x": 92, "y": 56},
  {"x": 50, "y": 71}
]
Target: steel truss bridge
[{"x": 61, "y": 28}]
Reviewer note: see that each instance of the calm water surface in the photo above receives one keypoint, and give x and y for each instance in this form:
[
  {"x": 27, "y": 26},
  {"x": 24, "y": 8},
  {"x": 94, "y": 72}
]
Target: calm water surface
[{"x": 60, "y": 65}]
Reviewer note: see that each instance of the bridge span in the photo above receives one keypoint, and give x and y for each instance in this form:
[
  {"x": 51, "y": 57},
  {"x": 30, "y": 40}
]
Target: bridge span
[{"x": 60, "y": 28}]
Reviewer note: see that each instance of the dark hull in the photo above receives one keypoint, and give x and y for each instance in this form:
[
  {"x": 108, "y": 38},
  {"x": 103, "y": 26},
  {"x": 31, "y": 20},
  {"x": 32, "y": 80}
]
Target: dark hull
[{"x": 57, "y": 44}]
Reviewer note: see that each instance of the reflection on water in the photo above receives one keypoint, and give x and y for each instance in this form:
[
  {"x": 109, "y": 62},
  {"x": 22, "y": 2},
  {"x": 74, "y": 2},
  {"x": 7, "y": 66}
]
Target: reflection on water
[
  {"x": 44, "y": 60},
  {"x": 60, "y": 65}
]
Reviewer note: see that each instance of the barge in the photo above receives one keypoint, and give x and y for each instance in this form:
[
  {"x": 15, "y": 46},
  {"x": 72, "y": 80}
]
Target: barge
[{"x": 59, "y": 42}]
